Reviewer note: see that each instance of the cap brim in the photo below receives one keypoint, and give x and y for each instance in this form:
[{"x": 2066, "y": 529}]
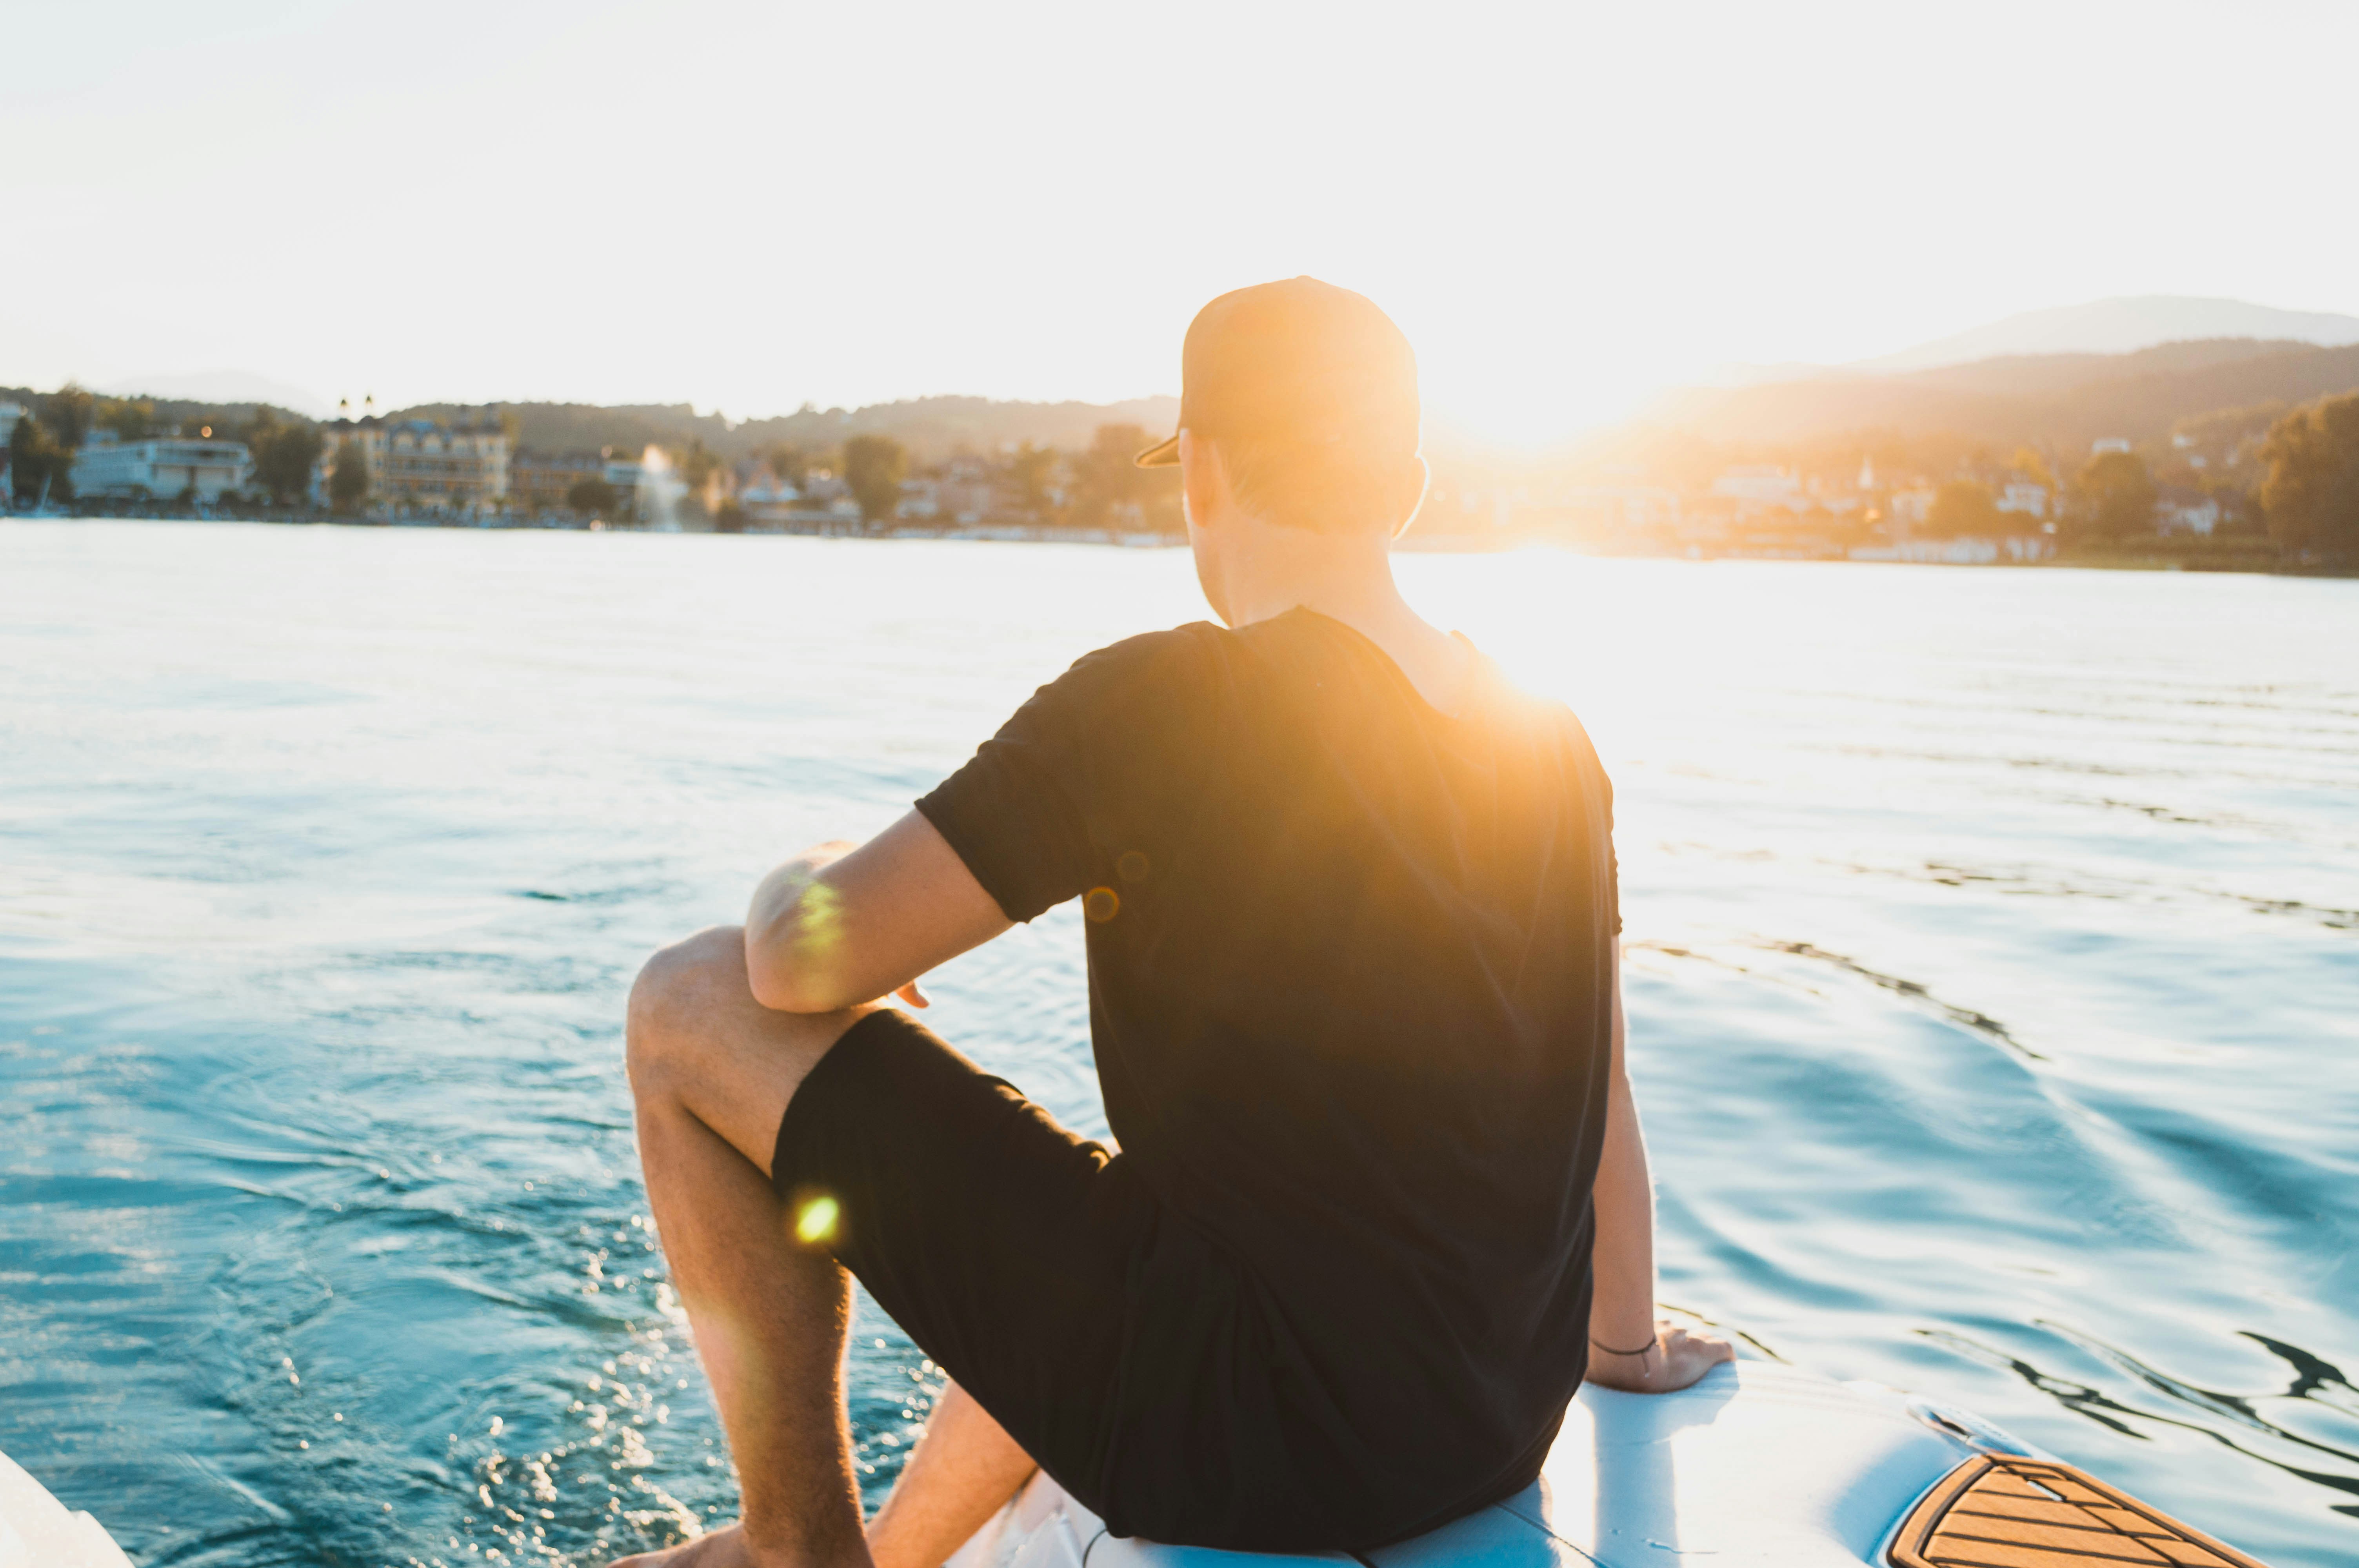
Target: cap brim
[{"x": 1165, "y": 456}]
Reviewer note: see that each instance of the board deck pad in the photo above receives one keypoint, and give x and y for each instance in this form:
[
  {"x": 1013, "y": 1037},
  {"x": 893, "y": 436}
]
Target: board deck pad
[{"x": 1999, "y": 1512}]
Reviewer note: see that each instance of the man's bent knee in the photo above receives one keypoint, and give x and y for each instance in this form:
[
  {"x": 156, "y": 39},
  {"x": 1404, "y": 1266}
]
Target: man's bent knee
[
  {"x": 684, "y": 989},
  {"x": 697, "y": 1041}
]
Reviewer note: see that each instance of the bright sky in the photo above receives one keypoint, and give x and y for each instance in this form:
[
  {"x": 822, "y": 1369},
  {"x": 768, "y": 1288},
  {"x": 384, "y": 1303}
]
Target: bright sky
[{"x": 750, "y": 205}]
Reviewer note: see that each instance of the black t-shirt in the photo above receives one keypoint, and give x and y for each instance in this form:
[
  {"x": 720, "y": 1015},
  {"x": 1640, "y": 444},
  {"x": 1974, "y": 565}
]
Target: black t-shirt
[{"x": 1350, "y": 967}]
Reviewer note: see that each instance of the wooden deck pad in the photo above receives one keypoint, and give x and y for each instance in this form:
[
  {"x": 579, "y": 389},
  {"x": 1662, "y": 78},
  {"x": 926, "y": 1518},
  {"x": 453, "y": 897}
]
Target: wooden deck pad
[{"x": 1998, "y": 1511}]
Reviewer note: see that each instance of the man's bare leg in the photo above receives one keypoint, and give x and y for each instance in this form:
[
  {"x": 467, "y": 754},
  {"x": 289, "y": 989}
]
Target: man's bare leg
[
  {"x": 711, "y": 1071},
  {"x": 961, "y": 1472}
]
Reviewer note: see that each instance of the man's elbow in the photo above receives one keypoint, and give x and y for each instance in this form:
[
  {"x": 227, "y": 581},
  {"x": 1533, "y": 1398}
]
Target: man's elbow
[
  {"x": 772, "y": 988},
  {"x": 783, "y": 984},
  {"x": 794, "y": 929}
]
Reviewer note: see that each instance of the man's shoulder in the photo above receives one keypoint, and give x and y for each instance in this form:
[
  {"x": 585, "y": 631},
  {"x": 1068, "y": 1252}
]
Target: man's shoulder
[
  {"x": 1176, "y": 654},
  {"x": 1548, "y": 723},
  {"x": 1498, "y": 695}
]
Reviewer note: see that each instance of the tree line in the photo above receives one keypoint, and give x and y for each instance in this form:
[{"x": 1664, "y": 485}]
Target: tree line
[
  {"x": 2112, "y": 499},
  {"x": 1097, "y": 487},
  {"x": 2312, "y": 491},
  {"x": 2282, "y": 477},
  {"x": 2304, "y": 499}
]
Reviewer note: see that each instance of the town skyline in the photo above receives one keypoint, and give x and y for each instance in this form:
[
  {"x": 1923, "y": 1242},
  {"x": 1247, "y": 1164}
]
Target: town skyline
[{"x": 2224, "y": 458}]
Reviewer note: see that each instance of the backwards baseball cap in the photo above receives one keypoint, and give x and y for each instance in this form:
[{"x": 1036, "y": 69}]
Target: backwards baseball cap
[{"x": 1298, "y": 362}]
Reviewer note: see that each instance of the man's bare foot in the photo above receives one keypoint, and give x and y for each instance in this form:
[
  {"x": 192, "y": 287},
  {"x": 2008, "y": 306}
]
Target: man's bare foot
[{"x": 724, "y": 1548}]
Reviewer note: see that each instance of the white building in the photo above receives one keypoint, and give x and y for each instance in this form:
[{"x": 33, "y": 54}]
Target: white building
[
  {"x": 1760, "y": 484},
  {"x": 2186, "y": 511},
  {"x": 965, "y": 492},
  {"x": 2030, "y": 500},
  {"x": 919, "y": 498},
  {"x": 766, "y": 498},
  {"x": 161, "y": 468},
  {"x": 1911, "y": 507},
  {"x": 9, "y": 414},
  {"x": 2105, "y": 444}
]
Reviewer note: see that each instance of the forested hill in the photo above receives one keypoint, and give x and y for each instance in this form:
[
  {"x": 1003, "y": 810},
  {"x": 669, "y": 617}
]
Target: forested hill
[
  {"x": 2071, "y": 399},
  {"x": 167, "y": 414},
  {"x": 930, "y": 427}
]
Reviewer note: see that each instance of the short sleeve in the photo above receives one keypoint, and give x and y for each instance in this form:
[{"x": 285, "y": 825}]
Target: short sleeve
[
  {"x": 1035, "y": 811},
  {"x": 1613, "y": 856},
  {"x": 1589, "y": 769},
  {"x": 1613, "y": 886}
]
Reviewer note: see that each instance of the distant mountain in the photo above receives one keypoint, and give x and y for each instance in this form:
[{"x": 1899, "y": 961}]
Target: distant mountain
[
  {"x": 932, "y": 428},
  {"x": 2068, "y": 399},
  {"x": 223, "y": 387},
  {"x": 2121, "y": 327}
]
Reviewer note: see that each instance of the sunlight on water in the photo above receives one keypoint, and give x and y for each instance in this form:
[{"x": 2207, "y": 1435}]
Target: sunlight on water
[{"x": 1994, "y": 966}]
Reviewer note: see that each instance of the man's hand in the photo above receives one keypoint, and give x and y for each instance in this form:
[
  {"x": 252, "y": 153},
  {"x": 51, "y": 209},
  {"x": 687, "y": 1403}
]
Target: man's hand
[{"x": 1674, "y": 1360}]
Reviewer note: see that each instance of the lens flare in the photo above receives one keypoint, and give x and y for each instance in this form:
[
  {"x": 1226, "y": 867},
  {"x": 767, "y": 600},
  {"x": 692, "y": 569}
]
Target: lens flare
[{"x": 816, "y": 1223}]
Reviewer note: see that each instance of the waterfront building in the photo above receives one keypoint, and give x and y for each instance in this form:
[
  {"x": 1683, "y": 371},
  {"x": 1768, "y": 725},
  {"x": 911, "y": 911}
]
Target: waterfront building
[
  {"x": 2022, "y": 496},
  {"x": 825, "y": 503},
  {"x": 9, "y": 414},
  {"x": 1754, "y": 485},
  {"x": 539, "y": 481},
  {"x": 2184, "y": 509},
  {"x": 964, "y": 494},
  {"x": 1911, "y": 507},
  {"x": 161, "y": 468},
  {"x": 920, "y": 498},
  {"x": 422, "y": 463},
  {"x": 627, "y": 477},
  {"x": 767, "y": 499}
]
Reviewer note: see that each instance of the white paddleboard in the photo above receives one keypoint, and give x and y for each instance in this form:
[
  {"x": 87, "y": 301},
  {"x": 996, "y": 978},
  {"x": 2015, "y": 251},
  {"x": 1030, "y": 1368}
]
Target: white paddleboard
[
  {"x": 1758, "y": 1466},
  {"x": 38, "y": 1531}
]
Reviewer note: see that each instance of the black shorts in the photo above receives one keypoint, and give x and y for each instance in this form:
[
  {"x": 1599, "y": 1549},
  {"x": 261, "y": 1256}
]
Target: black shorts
[
  {"x": 1134, "y": 1358},
  {"x": 998, "y": 1241},
  {"x": 1131, "y": 1358}
]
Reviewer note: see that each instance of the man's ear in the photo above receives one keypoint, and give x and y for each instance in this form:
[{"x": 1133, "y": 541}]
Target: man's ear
[
  {"x": 1203, "y": 479},
  {"x": 1417, "y": 504}
]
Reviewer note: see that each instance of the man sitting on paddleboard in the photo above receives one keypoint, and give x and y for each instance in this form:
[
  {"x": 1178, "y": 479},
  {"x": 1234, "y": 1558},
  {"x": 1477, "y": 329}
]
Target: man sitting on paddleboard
[{"x": 1381, "y": 1203}]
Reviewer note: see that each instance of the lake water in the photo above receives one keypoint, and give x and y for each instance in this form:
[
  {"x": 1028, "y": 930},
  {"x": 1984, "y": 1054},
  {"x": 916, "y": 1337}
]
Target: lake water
[{"x": 1994, "y": 983}]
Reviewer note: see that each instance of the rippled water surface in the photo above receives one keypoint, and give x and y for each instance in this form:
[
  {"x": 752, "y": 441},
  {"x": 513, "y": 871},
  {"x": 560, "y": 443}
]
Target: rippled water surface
[{"x": 1994, "y": 981}]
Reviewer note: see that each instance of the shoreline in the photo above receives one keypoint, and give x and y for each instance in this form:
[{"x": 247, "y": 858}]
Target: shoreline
[{"x": 2206, "y": 557}]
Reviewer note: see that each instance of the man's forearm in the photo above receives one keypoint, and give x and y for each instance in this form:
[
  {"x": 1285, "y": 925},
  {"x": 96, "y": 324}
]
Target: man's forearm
[
  {"x": 843, "y": 924},
  {"x": 1621, "y": 1310},
  {"x": 1629, "y": 1348}
]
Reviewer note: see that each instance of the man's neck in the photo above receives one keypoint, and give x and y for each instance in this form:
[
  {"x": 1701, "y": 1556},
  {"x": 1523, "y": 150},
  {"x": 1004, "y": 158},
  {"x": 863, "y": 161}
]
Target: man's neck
[
  {"x": 1289, "y": 568},
  {"x": 1286, "y": 568}
]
